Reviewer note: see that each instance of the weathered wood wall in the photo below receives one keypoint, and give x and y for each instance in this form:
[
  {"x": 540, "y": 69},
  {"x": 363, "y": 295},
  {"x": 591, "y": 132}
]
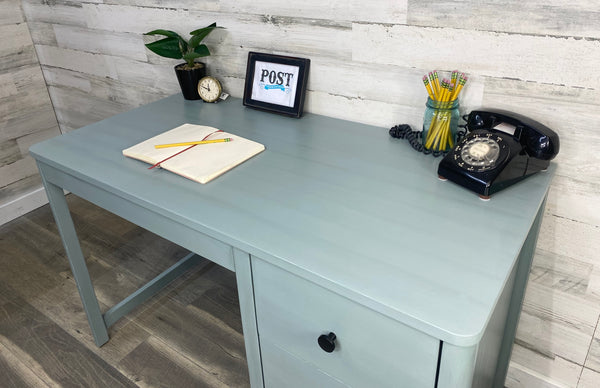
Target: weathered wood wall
[
  {"x": 538, "y": 58},
  {"x": 26, "y": 114}
]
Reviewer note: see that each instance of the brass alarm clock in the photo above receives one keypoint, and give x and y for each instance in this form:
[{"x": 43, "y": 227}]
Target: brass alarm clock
[{"x": 209, "y": 89}]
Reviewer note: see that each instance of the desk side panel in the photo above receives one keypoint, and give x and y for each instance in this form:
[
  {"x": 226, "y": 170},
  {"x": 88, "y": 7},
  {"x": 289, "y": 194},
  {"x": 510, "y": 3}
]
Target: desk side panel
[
  {"x": 488, "y": 361},
  {"x": 176, "y": 232},
  {"x": 517, "y": 297}
]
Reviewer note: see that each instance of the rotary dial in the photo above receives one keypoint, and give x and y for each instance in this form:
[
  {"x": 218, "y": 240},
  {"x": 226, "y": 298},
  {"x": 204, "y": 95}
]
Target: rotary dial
[{"x": 481, "y": 153}]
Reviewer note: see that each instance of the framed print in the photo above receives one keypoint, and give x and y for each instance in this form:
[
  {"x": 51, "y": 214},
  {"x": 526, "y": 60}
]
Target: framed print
[{"x": 276, "y": 83}]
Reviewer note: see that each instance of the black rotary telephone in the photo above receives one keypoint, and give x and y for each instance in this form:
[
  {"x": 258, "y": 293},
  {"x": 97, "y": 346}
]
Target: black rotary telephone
[{"x": 500, "y": 149}]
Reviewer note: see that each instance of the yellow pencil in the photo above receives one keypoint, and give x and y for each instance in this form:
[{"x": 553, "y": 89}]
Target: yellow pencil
[
  {"x": 428, "y": 87},
  {"x": 189, "y": 143},
  {"x": 436, "y": 80},
  {"x": 461, "y": 83},
  {"x": 454, "y": 78},
  {"x": 446, "y": 92},
  {"x": 432, "y": 83}
]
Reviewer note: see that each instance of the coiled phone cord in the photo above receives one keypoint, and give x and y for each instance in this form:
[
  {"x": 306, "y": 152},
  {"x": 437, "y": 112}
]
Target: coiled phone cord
[{"x": 404, "y": 131}]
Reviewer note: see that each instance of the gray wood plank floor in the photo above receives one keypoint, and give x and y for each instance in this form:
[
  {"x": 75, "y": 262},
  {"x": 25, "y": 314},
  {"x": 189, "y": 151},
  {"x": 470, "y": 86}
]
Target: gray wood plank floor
[{"x": 189, "y": 335}]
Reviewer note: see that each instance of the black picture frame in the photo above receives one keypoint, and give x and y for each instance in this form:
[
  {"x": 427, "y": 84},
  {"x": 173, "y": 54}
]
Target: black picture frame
[{"x": 288, "y": 75}]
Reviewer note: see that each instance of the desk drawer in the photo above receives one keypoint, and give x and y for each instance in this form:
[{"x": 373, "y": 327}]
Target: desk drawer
[
  {"x": 371, "y": 350},
  {"x": 283, "y": 370}
]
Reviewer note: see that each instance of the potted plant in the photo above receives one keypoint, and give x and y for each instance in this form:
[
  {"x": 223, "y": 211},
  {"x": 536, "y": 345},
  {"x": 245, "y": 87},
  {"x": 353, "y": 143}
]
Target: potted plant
[{"x": 175, "y": 46}]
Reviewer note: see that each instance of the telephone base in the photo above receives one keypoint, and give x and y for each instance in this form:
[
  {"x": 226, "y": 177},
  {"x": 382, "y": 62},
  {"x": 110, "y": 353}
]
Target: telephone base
[{"x": 481, "y": 196}]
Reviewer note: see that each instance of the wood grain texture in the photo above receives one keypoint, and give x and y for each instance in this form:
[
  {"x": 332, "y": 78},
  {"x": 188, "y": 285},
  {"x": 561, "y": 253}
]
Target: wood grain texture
[
  {"x": 589, "y": 379},
  {"x": 579, "y": 18},
  {"x": 21, "y": 370},
  {"x": 188, "y": 335},
  {"x": 42, "y": 33},
  {"x": 53, "y": 348},
  {"x": 386, "y": 11},
  {"x": 73, "y": 60},
  {"x": 535, "y": 57},
  {"x": 526, "y": 57},
  {"x": 21, "y": 39},
  {"x": 9, "y": 152},
  {"x": 217, "y": 349},
  {"x": 57, "y": 12},
  {"x": 19, "y": 170},
  {"x": 100, "y": 42},
  {"x": 74, "y": 110},
  {"x": 521, "y": 377},
  {"x": 593, "y": 359},
  {"x": 554, "y": 371},
  {"x": 154, "y": 363},
  {"x": 145, "y": 87},
  {"x": 10, "y": 12},
  {"x": 17, "y": 189},
  {"x": 25, "y": 110}
]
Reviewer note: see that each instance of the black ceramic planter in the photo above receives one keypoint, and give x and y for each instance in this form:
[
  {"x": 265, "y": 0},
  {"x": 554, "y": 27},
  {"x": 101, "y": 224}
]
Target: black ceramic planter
[{"x": 188, "y": 81}]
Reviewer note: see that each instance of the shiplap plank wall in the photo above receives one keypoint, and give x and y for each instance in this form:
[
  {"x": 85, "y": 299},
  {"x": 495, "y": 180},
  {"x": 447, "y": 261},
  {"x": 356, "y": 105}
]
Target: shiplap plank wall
[
  {"x": 538, "y": 58},
  {"x": 26, "y": 114}
]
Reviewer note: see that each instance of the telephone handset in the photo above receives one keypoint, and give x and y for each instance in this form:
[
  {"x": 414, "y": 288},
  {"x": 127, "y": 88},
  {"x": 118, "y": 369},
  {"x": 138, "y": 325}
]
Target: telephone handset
[{"x": 500, "y": 149}]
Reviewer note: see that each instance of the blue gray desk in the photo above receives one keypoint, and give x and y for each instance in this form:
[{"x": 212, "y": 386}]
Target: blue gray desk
[{"x": 336, "y": 227}]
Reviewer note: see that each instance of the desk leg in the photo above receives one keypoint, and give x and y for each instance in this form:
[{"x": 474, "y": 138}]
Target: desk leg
[
  {"x": 518, "y": 295},
  {"x": 243, "y": 276},
  {"x": 60, "y": 209}
]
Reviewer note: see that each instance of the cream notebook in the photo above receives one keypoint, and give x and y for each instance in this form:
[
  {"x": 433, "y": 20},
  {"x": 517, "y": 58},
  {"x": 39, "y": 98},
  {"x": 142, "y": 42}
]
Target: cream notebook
[{"x": 201, "y": 163}]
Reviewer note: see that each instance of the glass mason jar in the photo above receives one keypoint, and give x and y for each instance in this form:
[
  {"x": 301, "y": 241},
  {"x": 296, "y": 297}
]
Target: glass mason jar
[{"x": 440, "y": 124}]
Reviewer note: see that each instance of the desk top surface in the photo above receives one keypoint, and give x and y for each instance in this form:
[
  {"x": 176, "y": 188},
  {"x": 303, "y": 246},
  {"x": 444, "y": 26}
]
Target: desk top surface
[{"x": 340, "y": 203}]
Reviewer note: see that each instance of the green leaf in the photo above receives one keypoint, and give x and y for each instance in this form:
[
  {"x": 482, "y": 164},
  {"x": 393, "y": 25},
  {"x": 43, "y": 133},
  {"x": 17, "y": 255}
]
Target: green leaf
[
  {"x": 210, "y": 26},
  {"x": 170, "y": 34},
  {"x": 202, "y": 33},
  {"x": 175, "y": 46},
  {"x": 167, "y": 47},
  {"x": 202, "y": 50},
  {"x": 195, "y": 41}
]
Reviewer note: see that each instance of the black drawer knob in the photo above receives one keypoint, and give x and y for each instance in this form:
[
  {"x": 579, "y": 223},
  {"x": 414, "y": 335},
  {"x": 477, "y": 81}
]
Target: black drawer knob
[{"x": 327, "y": 342}]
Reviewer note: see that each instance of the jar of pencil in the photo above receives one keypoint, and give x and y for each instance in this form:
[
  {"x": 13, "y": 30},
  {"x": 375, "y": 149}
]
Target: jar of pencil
[{"x": 440, "y": 122}]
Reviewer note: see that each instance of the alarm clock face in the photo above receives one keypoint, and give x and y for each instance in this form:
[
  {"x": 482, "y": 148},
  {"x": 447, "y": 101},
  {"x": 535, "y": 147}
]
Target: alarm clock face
[
  {"x": 481, "y": 153},
  {"x": 209, "y": 89}
]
